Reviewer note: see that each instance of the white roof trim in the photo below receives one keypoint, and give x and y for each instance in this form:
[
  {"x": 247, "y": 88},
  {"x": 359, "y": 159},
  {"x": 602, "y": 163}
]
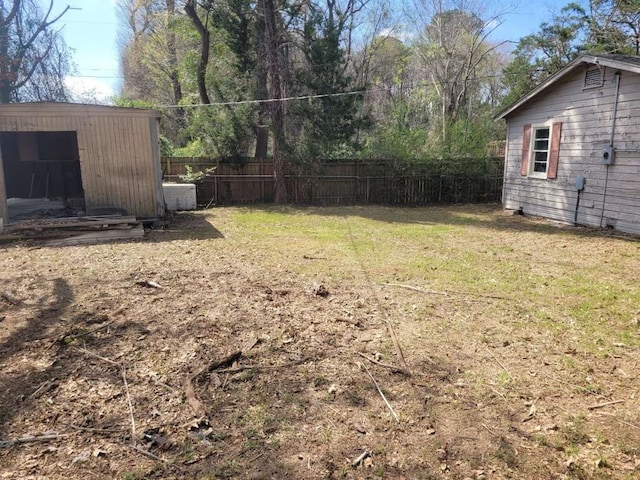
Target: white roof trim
[{"x": 571, "y": 66}]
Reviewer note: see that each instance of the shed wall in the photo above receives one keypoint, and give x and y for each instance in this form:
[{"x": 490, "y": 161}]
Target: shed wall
[
  {"x": 117, "y": 150},
  {"x": 586, "y": 116}
]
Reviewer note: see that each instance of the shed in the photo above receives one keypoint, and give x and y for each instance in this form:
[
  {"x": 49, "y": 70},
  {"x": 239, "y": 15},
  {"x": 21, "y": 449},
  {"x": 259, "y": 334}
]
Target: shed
[
  {"x": 91, "y": 159},
  {"x": 573, "y": 145}
]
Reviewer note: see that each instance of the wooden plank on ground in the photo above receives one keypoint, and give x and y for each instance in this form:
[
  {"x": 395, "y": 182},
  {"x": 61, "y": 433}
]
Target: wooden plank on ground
[
  {"x": 99, "y": 237},
  {"x": 72, "y": 222}
]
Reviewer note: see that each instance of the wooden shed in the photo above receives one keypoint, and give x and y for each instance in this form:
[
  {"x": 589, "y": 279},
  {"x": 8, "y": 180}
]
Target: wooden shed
[
  {"x": 93, "y": 159},
  {"x": 573, "y": 145}
]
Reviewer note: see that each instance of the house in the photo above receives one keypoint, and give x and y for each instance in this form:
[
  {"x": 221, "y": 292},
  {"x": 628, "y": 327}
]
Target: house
[
  {"x": 573, "y": 145},
  {"x": 83, "y": 159}
]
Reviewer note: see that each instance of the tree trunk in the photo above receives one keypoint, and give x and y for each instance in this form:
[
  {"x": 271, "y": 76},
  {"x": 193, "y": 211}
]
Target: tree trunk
[
  {"x": 272, "y": 49},
  {"x": 173, "y": 62},
  {"x": 262, "y": 132},
  {"x": 205, "y": 41}
]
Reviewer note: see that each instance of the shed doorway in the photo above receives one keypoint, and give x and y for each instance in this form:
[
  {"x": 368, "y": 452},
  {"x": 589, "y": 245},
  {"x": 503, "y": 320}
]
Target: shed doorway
[{"x": 42, "y": 174}]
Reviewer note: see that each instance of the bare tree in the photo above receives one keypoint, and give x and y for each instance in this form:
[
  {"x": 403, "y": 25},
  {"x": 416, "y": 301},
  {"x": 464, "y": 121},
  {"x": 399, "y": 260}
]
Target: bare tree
[
  {"x": 454, "y": 44},
  {"x": 33, "y": 55}
]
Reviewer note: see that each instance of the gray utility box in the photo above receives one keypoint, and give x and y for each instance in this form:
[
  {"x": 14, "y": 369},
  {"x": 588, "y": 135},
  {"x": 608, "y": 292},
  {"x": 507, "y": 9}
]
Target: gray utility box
[{"x": 607, "y": 155}]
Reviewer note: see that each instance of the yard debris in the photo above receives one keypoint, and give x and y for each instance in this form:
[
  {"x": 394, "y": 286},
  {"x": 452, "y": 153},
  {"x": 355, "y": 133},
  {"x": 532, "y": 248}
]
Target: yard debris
[
  {"x": 309, "y": 257},
  {"x": 32, "y": 439},
  {"x": 195, "y": 404},
  {"x": 396, "y": 345},
  {"x": 531, "y": 414},
  {"x": 320, "y": 290},
  {"x": 355, "y": 323},
  {"x": 393, "y": 368},
  {"x": 153, "y": 438},
  {"x": 10, "y": 297},
  {"x": 604, "y": 404},
  {"x": 148, "y": 284},
  {"x": 395, "y": 415},
  {"x": 360, "y": 458}
]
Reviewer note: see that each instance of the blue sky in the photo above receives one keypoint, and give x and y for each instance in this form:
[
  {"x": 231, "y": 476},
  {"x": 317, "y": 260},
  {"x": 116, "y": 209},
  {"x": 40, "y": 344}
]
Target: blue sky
[{"x": 92, "y": 35}]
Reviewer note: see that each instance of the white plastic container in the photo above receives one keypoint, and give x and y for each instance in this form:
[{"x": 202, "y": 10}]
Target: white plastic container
[{"x": 179, "y": 196}]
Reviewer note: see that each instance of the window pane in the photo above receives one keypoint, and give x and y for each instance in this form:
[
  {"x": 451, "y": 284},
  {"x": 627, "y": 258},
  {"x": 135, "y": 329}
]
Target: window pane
[
  {"x": 540, "y": 167},
  {"x": 541, "y": 145},
  {"x": 542, "y": 133},
  {"x": 540, "y": 157}
]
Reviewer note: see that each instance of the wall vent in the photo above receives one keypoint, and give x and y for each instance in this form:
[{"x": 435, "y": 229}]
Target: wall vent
[{"x": 594, "y": 76}]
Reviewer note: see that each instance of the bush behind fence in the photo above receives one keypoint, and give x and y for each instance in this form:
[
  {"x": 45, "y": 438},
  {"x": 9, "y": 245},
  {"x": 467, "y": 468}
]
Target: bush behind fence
[{"x": 346, "y": 181}]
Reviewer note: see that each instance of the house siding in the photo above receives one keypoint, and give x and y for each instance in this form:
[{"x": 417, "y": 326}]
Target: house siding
[
  {"x": 117, "y": 150},
  {"x": 586, "y": 116}
]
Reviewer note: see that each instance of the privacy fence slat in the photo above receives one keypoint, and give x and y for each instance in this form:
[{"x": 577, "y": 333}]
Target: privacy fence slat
[{"x": 337, "y": 183}]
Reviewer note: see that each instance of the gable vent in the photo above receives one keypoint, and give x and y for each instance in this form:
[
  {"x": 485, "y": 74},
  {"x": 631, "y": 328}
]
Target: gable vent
[{"x": 594, "y": 76}]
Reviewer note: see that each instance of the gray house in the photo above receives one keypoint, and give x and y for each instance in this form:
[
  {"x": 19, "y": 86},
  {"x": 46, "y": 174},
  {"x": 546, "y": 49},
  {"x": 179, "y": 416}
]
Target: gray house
[{"x": 573, "y": 145}]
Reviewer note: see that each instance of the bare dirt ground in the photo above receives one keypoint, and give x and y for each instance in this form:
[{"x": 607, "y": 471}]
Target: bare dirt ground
[{"x": 521, "y": 340}]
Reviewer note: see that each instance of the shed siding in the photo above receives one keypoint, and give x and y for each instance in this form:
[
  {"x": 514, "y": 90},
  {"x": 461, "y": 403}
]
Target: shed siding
[
  {"x": 117, "y": 149},
  {"x": 586, "y": 117}
]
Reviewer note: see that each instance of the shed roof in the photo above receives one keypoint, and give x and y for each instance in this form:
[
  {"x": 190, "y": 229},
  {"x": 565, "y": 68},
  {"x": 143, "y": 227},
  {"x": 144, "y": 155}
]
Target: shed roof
[
  {"x": 72, "y": 109},
  {"x": 620, "y": 62}
]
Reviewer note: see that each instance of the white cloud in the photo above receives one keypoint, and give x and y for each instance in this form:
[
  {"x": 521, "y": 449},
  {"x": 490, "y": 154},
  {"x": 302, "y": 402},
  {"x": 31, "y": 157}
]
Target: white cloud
[{"x": 89, "y": 90}]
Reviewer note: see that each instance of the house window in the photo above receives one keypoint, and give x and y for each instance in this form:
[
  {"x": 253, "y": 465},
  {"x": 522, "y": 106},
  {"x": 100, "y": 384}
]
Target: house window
[
  {"x": 540, "y": 151},
  {"x": 594, "y": 76}
]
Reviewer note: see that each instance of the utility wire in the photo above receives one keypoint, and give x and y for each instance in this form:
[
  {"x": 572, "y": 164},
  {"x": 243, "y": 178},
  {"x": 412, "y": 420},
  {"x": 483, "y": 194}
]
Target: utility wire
[{"x": 269, "y": 100}]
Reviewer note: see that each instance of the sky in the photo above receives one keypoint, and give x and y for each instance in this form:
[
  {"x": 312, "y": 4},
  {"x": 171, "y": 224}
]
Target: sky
[{"x": 91, "y": 31}]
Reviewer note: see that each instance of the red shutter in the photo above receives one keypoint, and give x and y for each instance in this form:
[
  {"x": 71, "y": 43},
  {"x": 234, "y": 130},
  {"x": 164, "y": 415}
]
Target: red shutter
[
  {"x": 526, "y": 142},
  {"x": 554, "y": 151}
]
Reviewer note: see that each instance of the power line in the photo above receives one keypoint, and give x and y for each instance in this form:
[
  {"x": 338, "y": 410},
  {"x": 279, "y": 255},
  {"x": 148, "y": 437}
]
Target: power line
[
  {"x": 107, "y": 77},
  {"x": 269, "y": 100}
]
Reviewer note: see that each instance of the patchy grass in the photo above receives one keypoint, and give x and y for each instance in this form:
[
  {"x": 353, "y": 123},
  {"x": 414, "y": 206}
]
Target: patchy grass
[{"x": 512, "y": 328}]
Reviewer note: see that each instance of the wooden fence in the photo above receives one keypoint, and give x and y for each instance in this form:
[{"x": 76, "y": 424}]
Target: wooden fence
[{"x": 335, "y": 183}]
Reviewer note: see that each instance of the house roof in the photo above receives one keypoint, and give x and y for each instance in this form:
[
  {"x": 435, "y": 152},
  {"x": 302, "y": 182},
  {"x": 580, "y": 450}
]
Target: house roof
[
  {"x": 64, "y": 108},
  {"x": 620, "y": 62}
]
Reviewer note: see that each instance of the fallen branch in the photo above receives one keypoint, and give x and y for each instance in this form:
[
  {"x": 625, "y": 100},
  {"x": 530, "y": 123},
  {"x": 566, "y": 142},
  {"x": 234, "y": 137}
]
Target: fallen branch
[
  {"x": 99, "y": 357},
  {"x": 124, "y": 380},
  {"x": 195, "y": 404},
  {"x": 447, "y": 293},
  {"x": 629, "y": 424},
  {"x": 500, "y": 363},
  {"x": 147, "y": 453},
  {"x": 395, "y": 415},
  {"x": 88, "y": 332},
  {"x": 360, "y": 458},
  {"x": 355, "y": 323},
  {"x": 396, "y": 345},
  {"x": 226, "y": 361},
  {"x": 148, "y": 284},
  {"x": 126, "y": 388},
  {"x": 105, "y": 431},
  {"x": 31, "y": 439},
  {"x": 393, "y": 368},
  {"x": 43, "y": 385},
  {"x": 192, "y": 399},
  {"x": 604, "y": 404}
]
